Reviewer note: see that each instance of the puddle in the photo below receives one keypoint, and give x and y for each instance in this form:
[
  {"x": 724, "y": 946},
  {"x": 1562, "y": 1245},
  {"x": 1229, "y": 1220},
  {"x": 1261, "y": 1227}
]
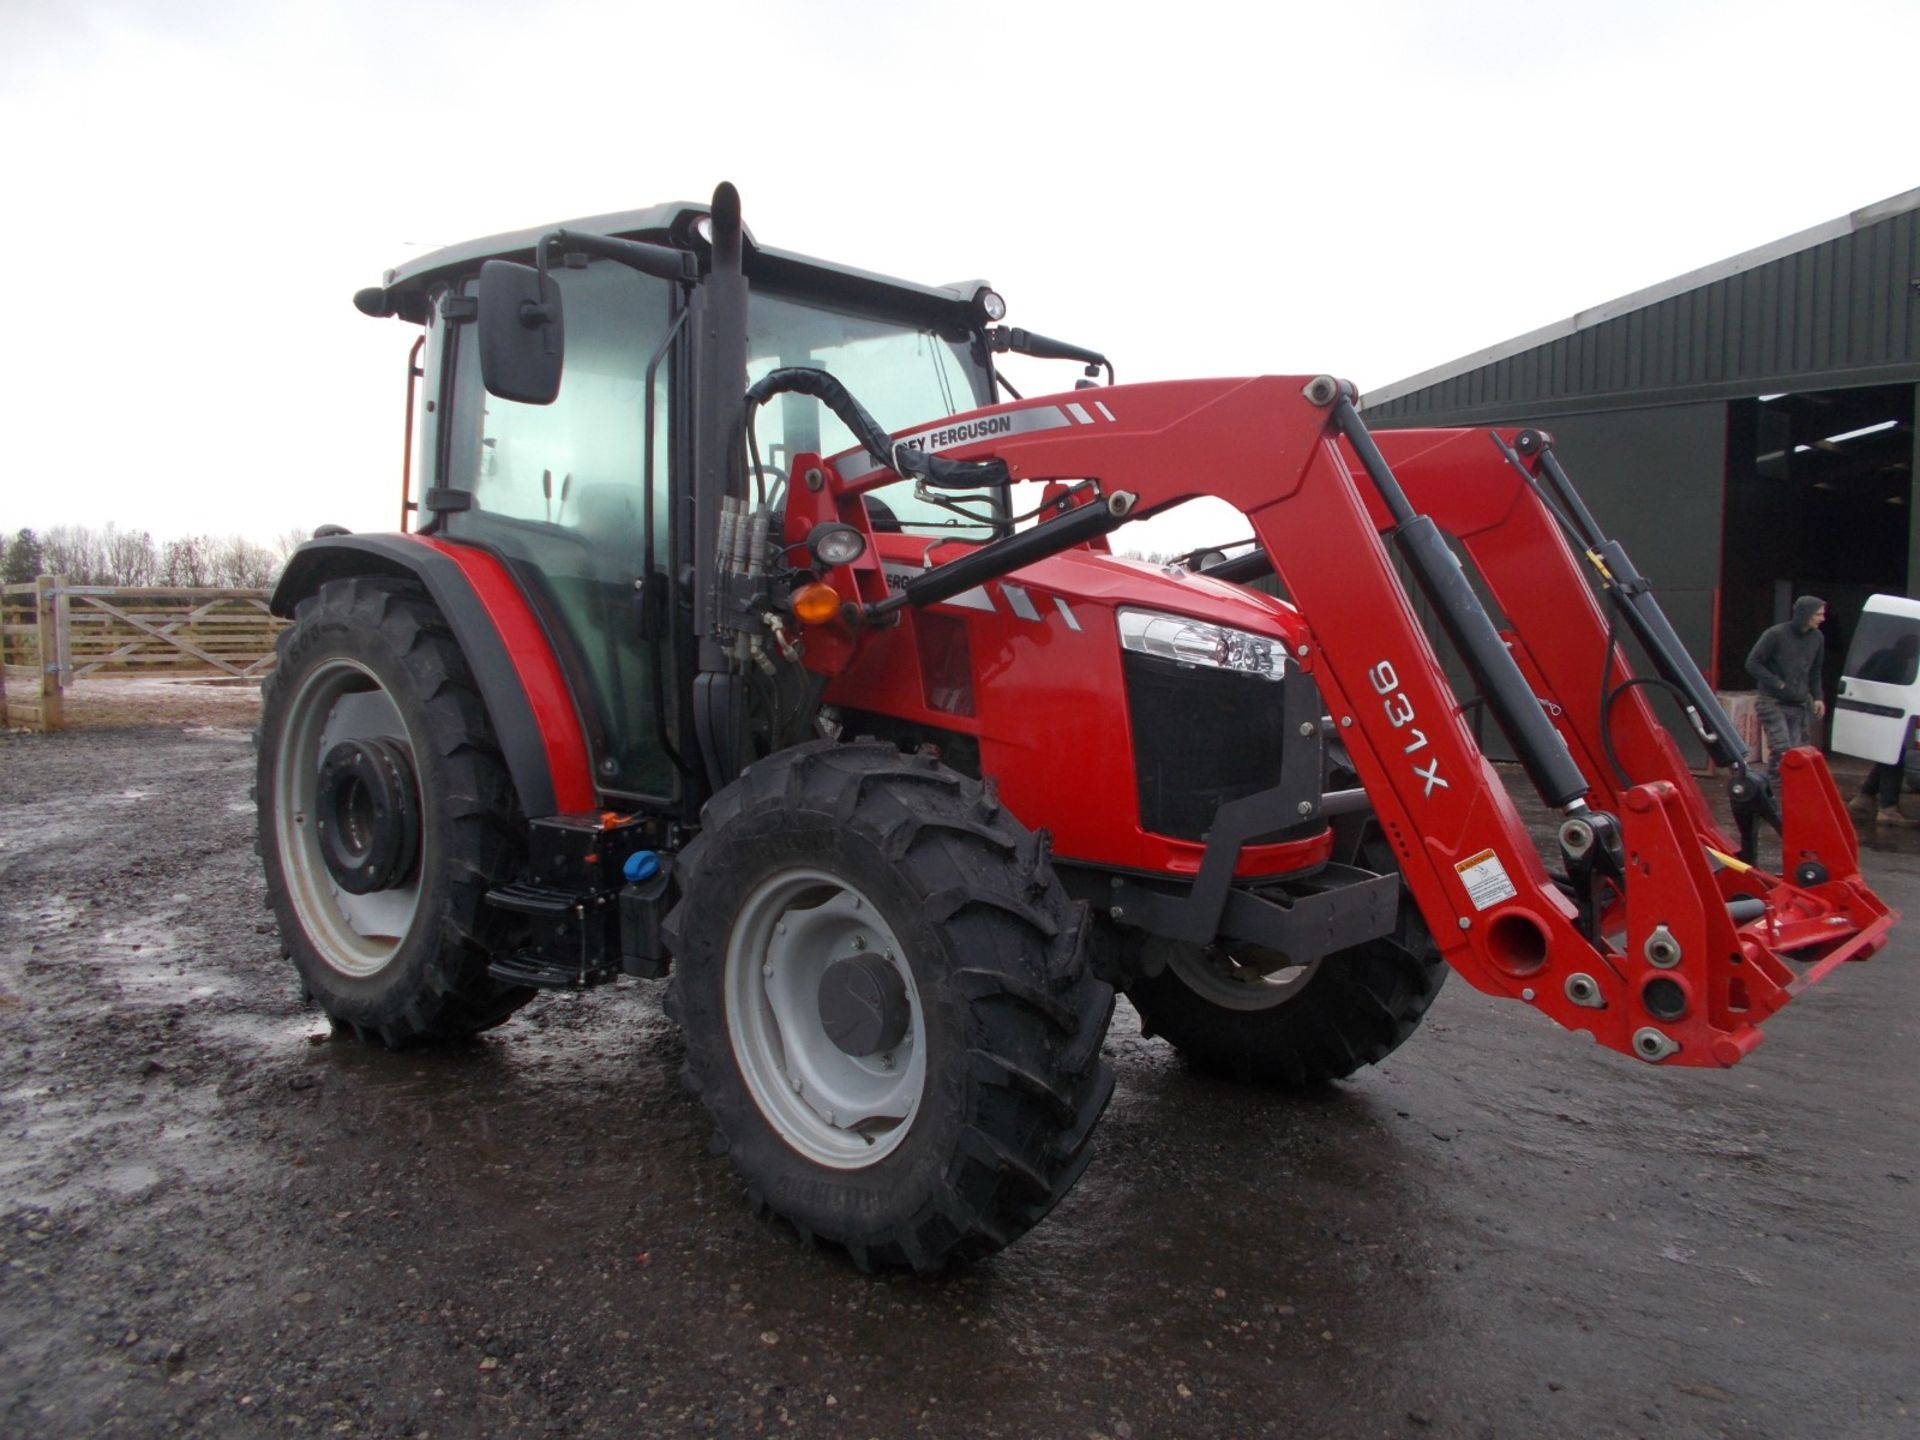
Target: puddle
[
  {"x": 164, "y": 980},
  {"x": 149, "y": 963},
  {"x": 129, "y": 1179},
  {"x": 40, "y": 830},
  {"x": 273, "y": 1033}
]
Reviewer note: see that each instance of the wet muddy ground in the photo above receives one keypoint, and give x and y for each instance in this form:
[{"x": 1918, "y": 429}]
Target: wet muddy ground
[{"x": 215, "y": 1219}]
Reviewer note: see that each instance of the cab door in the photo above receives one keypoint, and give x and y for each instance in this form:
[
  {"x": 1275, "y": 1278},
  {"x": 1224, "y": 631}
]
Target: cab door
[{"x": 577, "y": 504}]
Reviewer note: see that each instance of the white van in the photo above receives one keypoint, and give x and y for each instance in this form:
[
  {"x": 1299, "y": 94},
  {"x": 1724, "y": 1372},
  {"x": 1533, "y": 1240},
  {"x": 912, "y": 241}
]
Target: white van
[{"x": 1879, "y": 695}]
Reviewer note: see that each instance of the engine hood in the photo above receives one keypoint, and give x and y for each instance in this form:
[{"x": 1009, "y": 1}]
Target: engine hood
[{"x": 1113, "y": 581}]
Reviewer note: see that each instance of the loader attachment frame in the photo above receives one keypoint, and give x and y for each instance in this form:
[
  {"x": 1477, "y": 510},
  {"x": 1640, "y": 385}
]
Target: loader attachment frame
[{"x": 1657, "y": 941}]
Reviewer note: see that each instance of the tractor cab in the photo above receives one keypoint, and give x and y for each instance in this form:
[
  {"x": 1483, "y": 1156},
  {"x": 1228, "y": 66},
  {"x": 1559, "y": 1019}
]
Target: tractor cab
[{"x": 576, "y": 496}]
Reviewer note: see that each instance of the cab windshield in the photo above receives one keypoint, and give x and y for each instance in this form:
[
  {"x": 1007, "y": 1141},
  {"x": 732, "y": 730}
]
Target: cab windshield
[{"x": 904, "y": 377}]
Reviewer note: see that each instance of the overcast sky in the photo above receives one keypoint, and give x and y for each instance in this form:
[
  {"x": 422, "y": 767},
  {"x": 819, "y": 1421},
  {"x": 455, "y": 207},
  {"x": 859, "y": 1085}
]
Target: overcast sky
[{"x": 194, "y": 191}]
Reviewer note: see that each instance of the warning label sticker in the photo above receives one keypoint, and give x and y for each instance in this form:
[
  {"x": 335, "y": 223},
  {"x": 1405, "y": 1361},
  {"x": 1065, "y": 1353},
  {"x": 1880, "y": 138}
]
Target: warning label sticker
[{"x": 1486, "y": 880}]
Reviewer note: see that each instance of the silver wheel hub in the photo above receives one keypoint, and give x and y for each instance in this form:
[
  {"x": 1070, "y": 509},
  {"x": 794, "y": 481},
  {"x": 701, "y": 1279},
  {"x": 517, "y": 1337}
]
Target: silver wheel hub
[
  {"x": 1239, "y": 980},
  {"x": 338, "y": 702},
  {"x": 824, "y": 1018}
]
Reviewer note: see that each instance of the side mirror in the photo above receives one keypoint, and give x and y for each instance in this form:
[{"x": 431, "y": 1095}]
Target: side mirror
[{"x": 522, "y": 338}]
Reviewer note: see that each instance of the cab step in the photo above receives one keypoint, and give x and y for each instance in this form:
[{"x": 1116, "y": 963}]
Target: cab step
[
  {"x": 594, "y": 899},
  {"x": 574, "y": 942}
]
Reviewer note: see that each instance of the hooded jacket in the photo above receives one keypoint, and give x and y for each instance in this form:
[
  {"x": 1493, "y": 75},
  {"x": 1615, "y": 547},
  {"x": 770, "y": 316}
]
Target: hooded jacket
[{"x": 1785, "y": 661}]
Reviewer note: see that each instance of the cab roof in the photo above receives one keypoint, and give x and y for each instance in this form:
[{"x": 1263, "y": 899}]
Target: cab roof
[{"x": 677, "y": 223}]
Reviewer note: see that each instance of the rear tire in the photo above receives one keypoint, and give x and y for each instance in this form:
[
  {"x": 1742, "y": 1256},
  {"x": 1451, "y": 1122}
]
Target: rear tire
[
  {"x": 370, "y": 662},
  {"x": 1298, "y": 1027},
  {"x": 963, "y": 1127}
]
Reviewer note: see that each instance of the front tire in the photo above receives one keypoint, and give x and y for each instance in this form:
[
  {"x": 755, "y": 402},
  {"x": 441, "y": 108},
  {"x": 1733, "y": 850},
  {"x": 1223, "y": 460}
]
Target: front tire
[
  {"x": 1292, "y": 1027},
  {"x": 950, "y": 1110},
  {"x": 385, "y": 812}
]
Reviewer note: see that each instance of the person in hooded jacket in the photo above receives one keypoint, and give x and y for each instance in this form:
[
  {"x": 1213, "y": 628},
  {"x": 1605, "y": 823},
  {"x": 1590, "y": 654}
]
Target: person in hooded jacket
[{"x": 1785, "y": 665}]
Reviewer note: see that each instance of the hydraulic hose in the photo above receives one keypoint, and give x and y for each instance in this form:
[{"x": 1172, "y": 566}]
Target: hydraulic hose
[{"x": 905, "y": 460}]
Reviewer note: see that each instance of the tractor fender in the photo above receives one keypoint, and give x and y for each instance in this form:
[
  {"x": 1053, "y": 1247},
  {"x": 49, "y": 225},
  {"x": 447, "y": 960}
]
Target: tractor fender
[{"x": 521, "y": 684}]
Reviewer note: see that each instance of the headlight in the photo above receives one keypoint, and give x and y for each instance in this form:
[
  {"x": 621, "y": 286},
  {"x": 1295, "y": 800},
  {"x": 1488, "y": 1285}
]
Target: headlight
[
  {"x": 834, "y": 544},
  {"x": 1194, "y": 642}
]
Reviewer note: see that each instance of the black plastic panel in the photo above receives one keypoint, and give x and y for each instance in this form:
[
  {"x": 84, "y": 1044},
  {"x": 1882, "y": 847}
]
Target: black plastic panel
[{"x": 1200, "y": 738}]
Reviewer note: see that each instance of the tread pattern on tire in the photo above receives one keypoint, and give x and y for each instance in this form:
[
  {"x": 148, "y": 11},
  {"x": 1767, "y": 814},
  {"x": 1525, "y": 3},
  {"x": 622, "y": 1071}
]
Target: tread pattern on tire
[
  {"x": 446, "y": 991},
  {"x": 1034, "y": 1082}
]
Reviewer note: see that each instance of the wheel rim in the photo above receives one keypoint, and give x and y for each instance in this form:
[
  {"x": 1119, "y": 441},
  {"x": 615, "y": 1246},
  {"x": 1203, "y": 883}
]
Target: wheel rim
[
  {"x": 1253, "y": 980},
  {"x": 840, "y": 1110},
  {"x": 357, "y": 935}
]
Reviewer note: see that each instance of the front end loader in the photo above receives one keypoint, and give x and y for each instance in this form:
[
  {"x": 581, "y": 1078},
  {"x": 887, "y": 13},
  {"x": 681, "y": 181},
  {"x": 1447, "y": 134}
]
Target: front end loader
[{"x": 747, "y": 631}]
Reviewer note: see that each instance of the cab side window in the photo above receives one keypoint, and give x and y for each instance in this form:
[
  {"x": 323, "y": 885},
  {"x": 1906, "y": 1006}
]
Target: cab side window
[{"x": 577, "y": 462}]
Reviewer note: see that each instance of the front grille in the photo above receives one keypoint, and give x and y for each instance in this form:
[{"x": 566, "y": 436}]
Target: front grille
[{"x": 1200, "y": 738}]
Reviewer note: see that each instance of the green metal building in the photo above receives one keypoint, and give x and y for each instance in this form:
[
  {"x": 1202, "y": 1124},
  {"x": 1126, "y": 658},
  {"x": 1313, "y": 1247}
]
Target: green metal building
[{"x": 1746, "y": 430}]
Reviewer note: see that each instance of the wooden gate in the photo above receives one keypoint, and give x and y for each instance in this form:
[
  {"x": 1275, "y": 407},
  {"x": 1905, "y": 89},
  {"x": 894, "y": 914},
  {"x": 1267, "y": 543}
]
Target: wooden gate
[
  {"x": 52, "y": 633},
  {"x": 167, "y": 630},
  {"x": 32, "y": 653}
]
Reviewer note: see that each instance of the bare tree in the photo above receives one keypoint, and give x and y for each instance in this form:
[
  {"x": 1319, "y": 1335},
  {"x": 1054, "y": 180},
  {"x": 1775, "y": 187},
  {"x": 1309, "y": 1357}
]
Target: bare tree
[
  {"x": 244, "y": 565},
  {"x": 132, "y": 558},
  {"x": 106, "y": 556},
  {"x": 77, "y": 552},
  {"x": 186, "y": 562},
  {"x": 112, "y": 556},
  {"x": 288, "y": 541}
]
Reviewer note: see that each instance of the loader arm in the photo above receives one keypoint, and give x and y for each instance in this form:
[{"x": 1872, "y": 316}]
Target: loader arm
[
  {"x": 1557, "y": 629},
  {"x": 1668, "y": 972},
  {"x": 1561, "y": 636}
]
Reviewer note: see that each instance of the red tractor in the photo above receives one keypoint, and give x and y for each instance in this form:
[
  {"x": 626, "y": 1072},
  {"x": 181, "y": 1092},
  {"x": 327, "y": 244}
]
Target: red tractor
[{"x": 755, "y": 634}]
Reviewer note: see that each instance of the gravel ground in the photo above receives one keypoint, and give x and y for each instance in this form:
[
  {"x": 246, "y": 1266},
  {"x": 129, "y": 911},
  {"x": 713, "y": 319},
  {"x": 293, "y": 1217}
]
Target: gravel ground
[
  {"x": 217, "y": 1219},
  {"x": 126, "y": 702}
]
